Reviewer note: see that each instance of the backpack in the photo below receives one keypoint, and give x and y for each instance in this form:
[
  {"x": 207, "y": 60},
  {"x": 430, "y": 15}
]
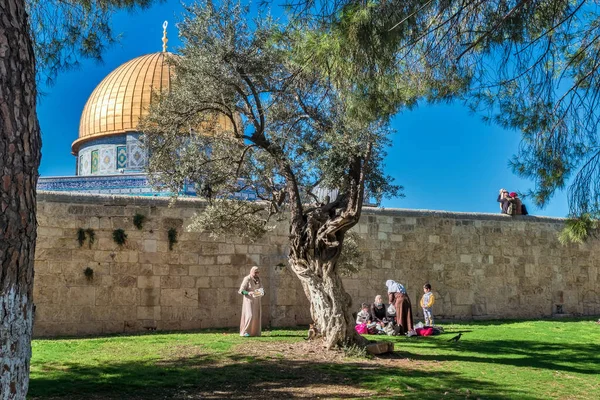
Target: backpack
[
  {"x": 512, "y": 208},
  {"x": 524, "y": 210}
]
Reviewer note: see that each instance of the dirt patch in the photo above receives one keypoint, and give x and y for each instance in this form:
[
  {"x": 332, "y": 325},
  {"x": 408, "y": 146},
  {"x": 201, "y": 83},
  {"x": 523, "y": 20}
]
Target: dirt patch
[{"x": 309, "y": 350}]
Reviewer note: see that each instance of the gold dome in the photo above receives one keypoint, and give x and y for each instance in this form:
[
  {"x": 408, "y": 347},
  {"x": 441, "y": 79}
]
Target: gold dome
[{"x": 123, "y": 97}]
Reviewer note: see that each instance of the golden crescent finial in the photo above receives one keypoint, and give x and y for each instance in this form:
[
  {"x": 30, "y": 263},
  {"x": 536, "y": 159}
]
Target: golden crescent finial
[{"x": 164, "y": 38}]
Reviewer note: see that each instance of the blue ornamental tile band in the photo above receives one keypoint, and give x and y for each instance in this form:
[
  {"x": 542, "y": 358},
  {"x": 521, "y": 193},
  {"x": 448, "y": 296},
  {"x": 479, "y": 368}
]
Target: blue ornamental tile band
[
  {"x": 94, "y": 161},
  {"x": 121, "y": 157},
  {"x": 107, "y": 160}
]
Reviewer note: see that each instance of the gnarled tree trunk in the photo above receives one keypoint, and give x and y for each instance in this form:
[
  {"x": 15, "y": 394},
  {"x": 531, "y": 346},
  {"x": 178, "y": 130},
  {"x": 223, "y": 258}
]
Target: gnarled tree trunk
[
  {"x": 314, "y": 254},
  {"x": 330, "y": 309},
  {"x": 19, "y": 161}
]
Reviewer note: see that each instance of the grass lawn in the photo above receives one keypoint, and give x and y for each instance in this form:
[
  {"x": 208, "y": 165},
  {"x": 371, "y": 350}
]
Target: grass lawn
[{"x": 493, "y": 360}]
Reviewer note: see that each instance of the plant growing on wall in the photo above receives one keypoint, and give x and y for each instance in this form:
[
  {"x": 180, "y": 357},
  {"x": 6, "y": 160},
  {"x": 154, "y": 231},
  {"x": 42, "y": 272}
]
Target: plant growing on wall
[
  {"x": 80, "y": 236},
  {"x": 138, "y": 220},
  {"x": 83, "y": 233},
  {"x": 89, "y": 273},
  {"x": 91, "y": 236},
  {"x": 119, "y": 236},
  {"x": 172, "y": 236}
]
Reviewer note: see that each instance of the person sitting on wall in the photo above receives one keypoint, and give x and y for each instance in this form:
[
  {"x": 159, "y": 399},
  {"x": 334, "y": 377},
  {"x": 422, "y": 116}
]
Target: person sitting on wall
[
  {"x": 521, "y": 209},
  {"x": 505, "y": 201}
]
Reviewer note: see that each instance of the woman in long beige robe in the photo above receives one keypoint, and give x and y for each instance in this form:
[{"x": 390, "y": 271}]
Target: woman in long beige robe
[{"x": 250, "y": 322}]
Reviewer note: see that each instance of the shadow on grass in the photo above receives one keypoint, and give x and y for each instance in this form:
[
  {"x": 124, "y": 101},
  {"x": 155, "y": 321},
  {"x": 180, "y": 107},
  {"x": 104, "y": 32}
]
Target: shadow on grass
[
  {"x": 239, "y": 376},
  {"x": 570, "y": 357},
  {"x": 495, "y": 322}
]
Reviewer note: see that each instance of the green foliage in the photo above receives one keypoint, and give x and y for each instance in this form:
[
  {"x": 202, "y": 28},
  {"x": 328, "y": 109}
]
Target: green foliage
[
  {"x": 89, "y": 273},
  {"x": 81, "y": 236},
  {"x": 284, "y": 129},
  {"x": 578, "y": 229},
  {"x": 530, "y": 66},
  {"x": 119, "y": 236},
  {"x": 172, "y": 236},
  {"x": 232, "y": 217},
  {"x": 91, "y": 236},
  {"x": 64, "y": 32},
  {"x": 354, "y": 351},
  {"x": 138, "y": 220}
]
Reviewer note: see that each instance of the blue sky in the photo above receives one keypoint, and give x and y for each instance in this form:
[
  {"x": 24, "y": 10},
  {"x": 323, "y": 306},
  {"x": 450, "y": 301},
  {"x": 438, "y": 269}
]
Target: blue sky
[{"x": 445, "y": 157}]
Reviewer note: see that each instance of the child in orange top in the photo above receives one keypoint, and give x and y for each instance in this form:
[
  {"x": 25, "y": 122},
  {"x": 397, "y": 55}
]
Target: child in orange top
[{"x": 426, "y": 302}]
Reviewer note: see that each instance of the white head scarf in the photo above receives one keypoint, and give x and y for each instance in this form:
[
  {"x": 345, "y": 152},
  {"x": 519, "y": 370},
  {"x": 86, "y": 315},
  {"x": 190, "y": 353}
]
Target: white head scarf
[
  {"x": 394, "y": 287},
  {"x": 378, "y": 300},
  {"x": 253, "y": 274}
]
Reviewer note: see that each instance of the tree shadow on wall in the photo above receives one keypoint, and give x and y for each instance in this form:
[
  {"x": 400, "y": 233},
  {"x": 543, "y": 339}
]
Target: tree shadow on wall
[
  {"x": 579, "y": 358},
  {"x": 238, "y": 376}
]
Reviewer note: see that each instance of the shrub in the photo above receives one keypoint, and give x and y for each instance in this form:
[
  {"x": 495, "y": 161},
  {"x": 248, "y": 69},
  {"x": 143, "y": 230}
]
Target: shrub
[
  {"x": 172, "y": 235},
  {"x": 119, "y": 237}
]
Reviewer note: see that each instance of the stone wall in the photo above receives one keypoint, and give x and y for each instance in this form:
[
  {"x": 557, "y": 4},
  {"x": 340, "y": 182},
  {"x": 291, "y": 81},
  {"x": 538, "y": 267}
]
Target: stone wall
[{"x": 480, "y": 266}]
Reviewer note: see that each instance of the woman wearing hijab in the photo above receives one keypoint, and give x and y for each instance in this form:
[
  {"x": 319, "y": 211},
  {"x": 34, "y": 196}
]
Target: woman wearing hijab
[
  {"x": 398, "y": 296},
  {"x": 252, "y": 291}
]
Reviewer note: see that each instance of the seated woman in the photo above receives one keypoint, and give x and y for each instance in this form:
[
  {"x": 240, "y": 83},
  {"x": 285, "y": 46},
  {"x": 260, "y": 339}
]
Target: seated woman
[{"x": 378, "y": 311}]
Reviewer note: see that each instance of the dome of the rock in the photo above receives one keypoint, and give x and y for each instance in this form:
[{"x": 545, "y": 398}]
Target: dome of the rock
[
  {"x": 123, "y": 97},
  {"x": 108, "y": 140}
]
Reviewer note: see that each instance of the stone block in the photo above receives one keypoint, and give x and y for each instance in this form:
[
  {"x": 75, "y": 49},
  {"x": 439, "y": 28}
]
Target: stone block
[
  {"x": 380, "y": 347},
  {"x": 149, "y": 297},
  {"x": 125, "y": 281},
  {"x": 90, "y": 328},
  {"x": 178, "y": 270},
  {"x": 81, "y": 296},
  {"x": 240, "y": 259},
  {"x": 463, "y": 297},
  {"x": 50, "y": 294},
  {"x": 226, "y": 259},
  {"x": 202, "y": 282},
  {"x": 171, "y": 297},
  {"x": 189, "y": 297},
  {"x": 124, "y": 296},
  {"x": 188, "y": 258},
  {"x": 160, "y": 270},
  {"x": 154, "y": 258},
  {"x": 395, "y": 238},
  {"x": 206, "y": 297},
  {"x": 172, "y": 223},
  {"x": 207, "y": 260},
  {"x": 225, "y": 249},
  {"x": 149, "y": 313},
  {"x": 103, "y": 296},
  {"x": 188, "y": 281},
  {"x": 170, "y": 282},
  {"x": 149, "y": 245},
  {"x": 148, "y": 282}
]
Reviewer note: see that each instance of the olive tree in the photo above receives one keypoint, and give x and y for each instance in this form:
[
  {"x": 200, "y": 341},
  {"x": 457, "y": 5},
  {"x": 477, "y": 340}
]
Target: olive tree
[{"x": 243, "y": 115}]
